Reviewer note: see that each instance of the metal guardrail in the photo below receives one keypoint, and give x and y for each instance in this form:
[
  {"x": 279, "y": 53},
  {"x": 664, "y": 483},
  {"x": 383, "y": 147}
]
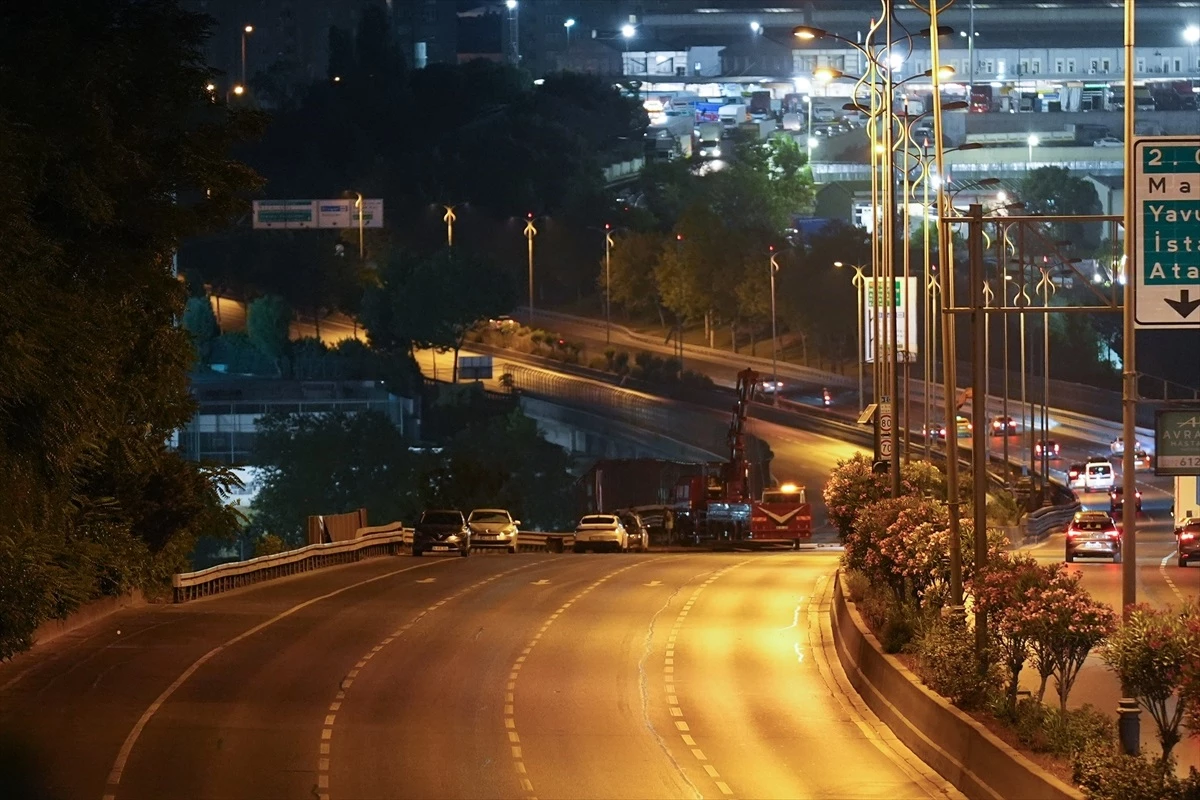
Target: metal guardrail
[
  {"x": 226, "y": 577},
  {"x": 388, "y": 540},
  {"x": 1044, "y": 521}
]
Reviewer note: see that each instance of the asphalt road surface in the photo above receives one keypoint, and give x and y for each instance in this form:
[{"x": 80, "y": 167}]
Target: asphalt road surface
[{"x": 627, "y": 676}]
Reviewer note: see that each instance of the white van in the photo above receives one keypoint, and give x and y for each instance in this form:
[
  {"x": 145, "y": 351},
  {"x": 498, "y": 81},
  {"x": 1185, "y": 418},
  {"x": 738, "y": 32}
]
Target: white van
[{"x": 1097, "y": 476}]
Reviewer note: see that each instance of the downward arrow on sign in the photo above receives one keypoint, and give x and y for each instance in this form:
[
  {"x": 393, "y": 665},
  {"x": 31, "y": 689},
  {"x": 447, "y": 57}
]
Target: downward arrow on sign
[{"x": 1183, "y": 306}]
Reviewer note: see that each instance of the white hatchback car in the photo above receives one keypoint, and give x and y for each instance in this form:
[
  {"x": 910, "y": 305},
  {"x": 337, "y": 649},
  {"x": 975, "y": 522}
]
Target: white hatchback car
[{"x": 601, "y": 531}]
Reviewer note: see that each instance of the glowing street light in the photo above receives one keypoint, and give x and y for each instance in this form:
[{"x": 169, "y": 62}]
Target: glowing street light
[
  {"x": 1032, "y": 141},
  {"x": 568, "y": 24},
  {"x": 530, "y": 232},
  {"x": 1191, "y": 34},
  {"x": 755, "y": 27},
  {"x": 246, "y": 31}
]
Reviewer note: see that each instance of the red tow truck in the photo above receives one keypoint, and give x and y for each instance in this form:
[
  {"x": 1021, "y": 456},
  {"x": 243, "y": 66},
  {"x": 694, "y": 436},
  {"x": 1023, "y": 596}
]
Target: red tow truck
[
  {"x": 782, "y": 517},
  {"x": 716, "y": 506}
]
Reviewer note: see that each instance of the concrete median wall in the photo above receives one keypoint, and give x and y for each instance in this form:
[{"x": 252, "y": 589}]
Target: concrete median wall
[{"x": 960, "y": 749}]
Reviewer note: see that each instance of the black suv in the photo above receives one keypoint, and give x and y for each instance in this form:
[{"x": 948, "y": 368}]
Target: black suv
[{"x": 442, "y": 531}]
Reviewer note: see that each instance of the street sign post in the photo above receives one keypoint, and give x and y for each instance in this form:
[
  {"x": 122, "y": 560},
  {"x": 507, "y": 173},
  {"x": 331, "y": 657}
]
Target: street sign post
[
  {"x": 1166, "y": 222},
  {"x": 876, "y": 306},
  {"x": 887, "y": 431},
  {"x": 1177, "y": 441}
]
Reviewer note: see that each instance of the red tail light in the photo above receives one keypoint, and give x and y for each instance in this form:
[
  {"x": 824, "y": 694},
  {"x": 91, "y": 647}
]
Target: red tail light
[{"x": 1186, "y": 535}]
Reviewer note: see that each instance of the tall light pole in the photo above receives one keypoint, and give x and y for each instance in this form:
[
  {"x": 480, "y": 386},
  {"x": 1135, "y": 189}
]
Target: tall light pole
[
  {"x": 246, "y": 31},
  {"x": 1032, "y": 142},
  {"x": 449, "y": 218},
  {"x": 773, "y": 268},
  {"x": 1046, "y": 286},
  {"x": 859, "y": 281},
  {"x": 608, "y": 246},
  {"x": 530, "y": 232},
  {"x": 514, "y": 32},
  {"x": 358, "y": 208},
  {"x": 570, "y": 23}
]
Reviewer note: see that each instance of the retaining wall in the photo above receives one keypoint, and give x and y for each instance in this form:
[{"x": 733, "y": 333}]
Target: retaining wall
[{"x": 99, "y": 609}]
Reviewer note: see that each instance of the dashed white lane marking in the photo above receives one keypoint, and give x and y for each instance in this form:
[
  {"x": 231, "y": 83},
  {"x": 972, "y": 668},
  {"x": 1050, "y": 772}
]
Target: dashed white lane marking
[
  {"x": 327, "y": 729},
  {"x": 673, "y": 706},
  {"x": 510, "y": 717},
  {"x": 1162, "y": 569},
  {"x": 118, "y": 768}
]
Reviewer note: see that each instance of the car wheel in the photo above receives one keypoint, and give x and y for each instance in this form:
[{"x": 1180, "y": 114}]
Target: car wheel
[
  {"x": 1117, "y": 557},
  {"x": 1070, "y": 558},
  {"x": 416, "y": 552},
  {"x": 466, "y": 551},
  {"x": 577, "y": 548},
  {"x": 512, "y": 548},
  {"x": 1183, "y": 561}
]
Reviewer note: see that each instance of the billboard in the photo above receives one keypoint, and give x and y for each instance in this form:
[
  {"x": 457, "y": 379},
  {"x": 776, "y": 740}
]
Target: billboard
[
  {"x": 875, "y": 309},
  {"x": 335, "y": 213}
]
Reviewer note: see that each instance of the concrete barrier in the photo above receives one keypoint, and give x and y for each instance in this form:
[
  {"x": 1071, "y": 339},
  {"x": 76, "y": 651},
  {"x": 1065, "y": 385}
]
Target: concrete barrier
[
  {"x": 50, "y": 630},
  {"x": 960, "y": 749}
]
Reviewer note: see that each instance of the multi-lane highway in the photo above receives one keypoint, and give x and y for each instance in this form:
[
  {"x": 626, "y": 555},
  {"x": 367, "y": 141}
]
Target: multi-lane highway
[{"x": 625, "y": 676}]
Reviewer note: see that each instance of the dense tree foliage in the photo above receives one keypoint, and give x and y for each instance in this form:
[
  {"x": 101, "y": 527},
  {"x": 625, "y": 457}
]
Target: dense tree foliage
[
  {"x": 338, "y": 462},
  {"x": 112, "y": 151},
  {"x": 434, "y": 301}
]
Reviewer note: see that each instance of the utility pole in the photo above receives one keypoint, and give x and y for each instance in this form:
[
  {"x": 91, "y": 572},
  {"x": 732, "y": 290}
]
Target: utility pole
[
  {"x": 979, "y": 430},
  {"x": 1128, "y": 723},
  {"x": 608, "y": 245}
]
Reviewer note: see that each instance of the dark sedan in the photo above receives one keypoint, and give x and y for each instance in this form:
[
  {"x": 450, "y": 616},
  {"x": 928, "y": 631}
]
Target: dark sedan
[
  {"x": 441, "y": 531},
  {"x": 1187, "y": 536}
]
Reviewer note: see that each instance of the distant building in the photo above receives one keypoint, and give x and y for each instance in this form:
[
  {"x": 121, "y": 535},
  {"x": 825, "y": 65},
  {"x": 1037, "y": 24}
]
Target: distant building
[{"x": 225, "y": 426}]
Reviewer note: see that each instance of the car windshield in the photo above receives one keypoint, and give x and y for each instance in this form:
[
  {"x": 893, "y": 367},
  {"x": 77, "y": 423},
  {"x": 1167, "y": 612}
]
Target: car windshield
[
  {"x": 1092, "y": 525},
  {"x": 784, "y": 497},
  {"x": 1099, "y": 469},
  {"x": 598, "y": 519},
  {"x": 441, "y": 518},
  {"x": 489, "y": 516}
]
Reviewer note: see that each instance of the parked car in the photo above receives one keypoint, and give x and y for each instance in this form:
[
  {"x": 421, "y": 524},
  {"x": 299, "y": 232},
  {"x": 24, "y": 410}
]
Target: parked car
[
  {"x": 493, "y": 527},
  {"x": 1116, "y": 498},
  {"x": 1004, "y": 426},
  {"x": 601, "y": 532},
  {"x": 1108, "y": 141},
  {"x": 441, "y": 531},
  {"x": 1052, "y": 448},
  {"x": 1187, "y": 538},
  {"x": 1093, "y": 534},
  {"x": 639, "y": 532},
  {"x": 1075, "y": 476}
]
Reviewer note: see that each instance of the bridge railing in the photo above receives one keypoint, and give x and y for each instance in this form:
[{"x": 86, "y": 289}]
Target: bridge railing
[
  {"x": 1044, "y": 521},
  {"x": 225, "y": 577},
  {"x": 388, "y": 540}
]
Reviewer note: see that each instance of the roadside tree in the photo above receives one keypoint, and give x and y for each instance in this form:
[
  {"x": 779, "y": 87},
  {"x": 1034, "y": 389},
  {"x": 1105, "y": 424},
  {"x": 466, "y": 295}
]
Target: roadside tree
[
  {"x": 268, "y": 323},
  {"x": 1151, "y": 653}
]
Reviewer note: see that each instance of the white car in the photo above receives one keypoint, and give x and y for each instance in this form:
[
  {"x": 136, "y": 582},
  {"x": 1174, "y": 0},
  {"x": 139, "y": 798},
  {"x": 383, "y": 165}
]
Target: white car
[
  {"x": 1108, "y": 141},
  {"x": 1118, "y": 446},
  {"x": 1097, "y": 476},
  {"x": 493, "y": 527},
  {"x": 601, "y": 531}
]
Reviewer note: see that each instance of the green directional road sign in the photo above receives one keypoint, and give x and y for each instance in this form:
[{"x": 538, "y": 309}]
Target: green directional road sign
[
  {"x": 1177, "y": 442},
  {"x": 1166, "y": 221}
]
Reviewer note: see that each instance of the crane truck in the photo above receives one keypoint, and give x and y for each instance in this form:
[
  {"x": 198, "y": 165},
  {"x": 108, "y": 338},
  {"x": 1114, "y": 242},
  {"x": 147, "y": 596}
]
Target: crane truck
[{"x": 716, "y": 507}]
